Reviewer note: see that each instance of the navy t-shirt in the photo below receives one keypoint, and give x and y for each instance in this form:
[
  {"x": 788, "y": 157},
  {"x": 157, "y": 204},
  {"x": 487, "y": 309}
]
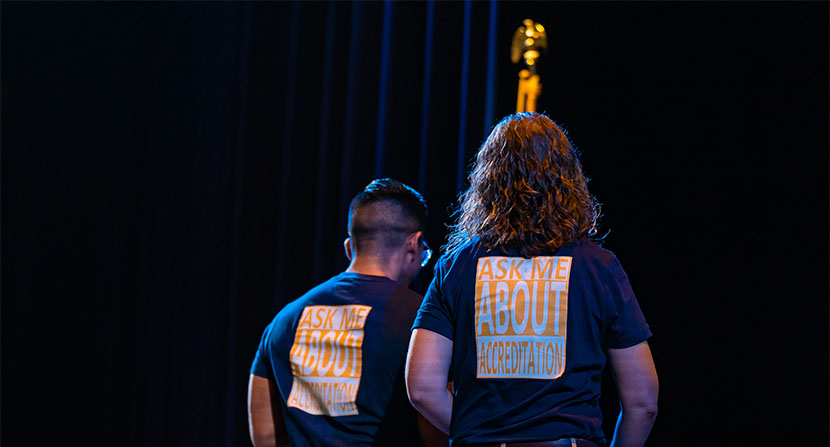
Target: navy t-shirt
[
  {"x": 530, "y": 339},
  {"x": 337, "y": 355}
]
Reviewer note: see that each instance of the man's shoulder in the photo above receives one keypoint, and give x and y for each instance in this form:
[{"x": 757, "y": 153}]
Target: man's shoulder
[
  {"x": 403, "y": 296},
  {"x": 403, "y": 290},
  {"x": 348, "y": 288},
  {"x": 310, "y": 297}
]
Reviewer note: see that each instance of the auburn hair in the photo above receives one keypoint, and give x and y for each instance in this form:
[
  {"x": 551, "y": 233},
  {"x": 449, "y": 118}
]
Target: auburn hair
[{"x": 527, "y": 191}]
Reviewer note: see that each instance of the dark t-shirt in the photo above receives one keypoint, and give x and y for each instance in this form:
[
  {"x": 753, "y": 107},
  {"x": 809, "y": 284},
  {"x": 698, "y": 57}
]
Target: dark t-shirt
[
  {"x": 337, "y": 354},
  {"x": 530, "y": 339}
]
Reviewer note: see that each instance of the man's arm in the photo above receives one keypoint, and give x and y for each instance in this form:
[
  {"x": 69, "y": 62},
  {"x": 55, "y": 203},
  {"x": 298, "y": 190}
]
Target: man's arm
[
  {"x": 637, "y": 387},
  {"x": 265, "y": 423},
  {"x": 427, "y": 367}
]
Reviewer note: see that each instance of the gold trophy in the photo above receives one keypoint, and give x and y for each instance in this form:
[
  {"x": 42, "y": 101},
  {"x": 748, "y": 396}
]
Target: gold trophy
[{"x": 528, "y": 41}]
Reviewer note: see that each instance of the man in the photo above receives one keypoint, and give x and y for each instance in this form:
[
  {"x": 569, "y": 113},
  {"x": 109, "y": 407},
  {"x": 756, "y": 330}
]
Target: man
[
  {"x": 330, "y": 367},
  {"x": 527, "y": 308}
]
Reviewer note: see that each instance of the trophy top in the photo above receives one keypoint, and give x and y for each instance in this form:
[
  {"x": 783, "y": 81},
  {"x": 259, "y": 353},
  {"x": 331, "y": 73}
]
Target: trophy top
[{"x": 529, "y": 41}]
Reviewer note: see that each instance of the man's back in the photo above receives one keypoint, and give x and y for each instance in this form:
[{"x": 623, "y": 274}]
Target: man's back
[{"x": 337, "y": 356}]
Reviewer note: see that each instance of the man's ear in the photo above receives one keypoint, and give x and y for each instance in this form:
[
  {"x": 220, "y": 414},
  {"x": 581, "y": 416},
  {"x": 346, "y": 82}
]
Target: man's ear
[
  {"x": 347, "y": 244},
  {"x": 413, "y": 241}
]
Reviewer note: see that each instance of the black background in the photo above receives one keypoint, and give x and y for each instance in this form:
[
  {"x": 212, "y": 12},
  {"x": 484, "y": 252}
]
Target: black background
[{"x": 174, "y": 173}]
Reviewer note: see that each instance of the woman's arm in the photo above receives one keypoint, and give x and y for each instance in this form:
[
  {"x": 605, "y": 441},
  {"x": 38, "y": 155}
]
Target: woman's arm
[
  {"x": 637, "y": 386},
  {"x": 427, "y": 368}
]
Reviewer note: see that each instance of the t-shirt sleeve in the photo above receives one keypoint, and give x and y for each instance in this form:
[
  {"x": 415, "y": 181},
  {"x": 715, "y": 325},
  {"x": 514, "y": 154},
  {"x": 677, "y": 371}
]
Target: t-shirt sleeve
[
  {"x": 625, "y": 324},
  {"x": 434, "y": 314},
  {"x": 262, "y": 359}
]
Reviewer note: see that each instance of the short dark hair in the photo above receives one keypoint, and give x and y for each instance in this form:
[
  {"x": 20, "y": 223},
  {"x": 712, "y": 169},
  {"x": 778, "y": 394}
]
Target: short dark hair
[{"x": 384, "y": 213}]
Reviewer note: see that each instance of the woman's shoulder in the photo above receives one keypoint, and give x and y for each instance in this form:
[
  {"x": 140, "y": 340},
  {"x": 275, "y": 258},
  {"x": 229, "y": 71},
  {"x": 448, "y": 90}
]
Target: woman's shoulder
[{"x": 587, "y": 250}]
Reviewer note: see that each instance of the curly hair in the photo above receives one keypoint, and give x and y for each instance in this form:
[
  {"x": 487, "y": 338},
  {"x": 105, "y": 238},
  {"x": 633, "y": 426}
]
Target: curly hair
[{"x": 527, "y": 191}]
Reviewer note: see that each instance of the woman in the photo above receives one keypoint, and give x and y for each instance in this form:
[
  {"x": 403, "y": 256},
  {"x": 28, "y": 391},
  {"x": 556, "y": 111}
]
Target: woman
[{"x": 525, "y": 308}]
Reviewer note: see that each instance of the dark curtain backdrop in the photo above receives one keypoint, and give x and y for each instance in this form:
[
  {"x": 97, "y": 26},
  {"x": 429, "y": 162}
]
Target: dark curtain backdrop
[{"x": 174, "y": 173}]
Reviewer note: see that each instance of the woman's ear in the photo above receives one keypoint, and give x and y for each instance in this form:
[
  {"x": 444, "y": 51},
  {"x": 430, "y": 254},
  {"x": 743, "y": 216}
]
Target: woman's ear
[{"x": 347, "y": 244}]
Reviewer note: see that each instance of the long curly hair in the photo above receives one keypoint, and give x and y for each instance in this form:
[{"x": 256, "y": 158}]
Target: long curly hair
[{"x": 527, "y": 191}]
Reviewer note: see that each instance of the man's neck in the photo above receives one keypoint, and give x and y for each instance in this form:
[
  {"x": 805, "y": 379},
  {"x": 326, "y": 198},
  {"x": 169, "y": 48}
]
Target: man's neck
[{"x": 376, "y": 267}]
